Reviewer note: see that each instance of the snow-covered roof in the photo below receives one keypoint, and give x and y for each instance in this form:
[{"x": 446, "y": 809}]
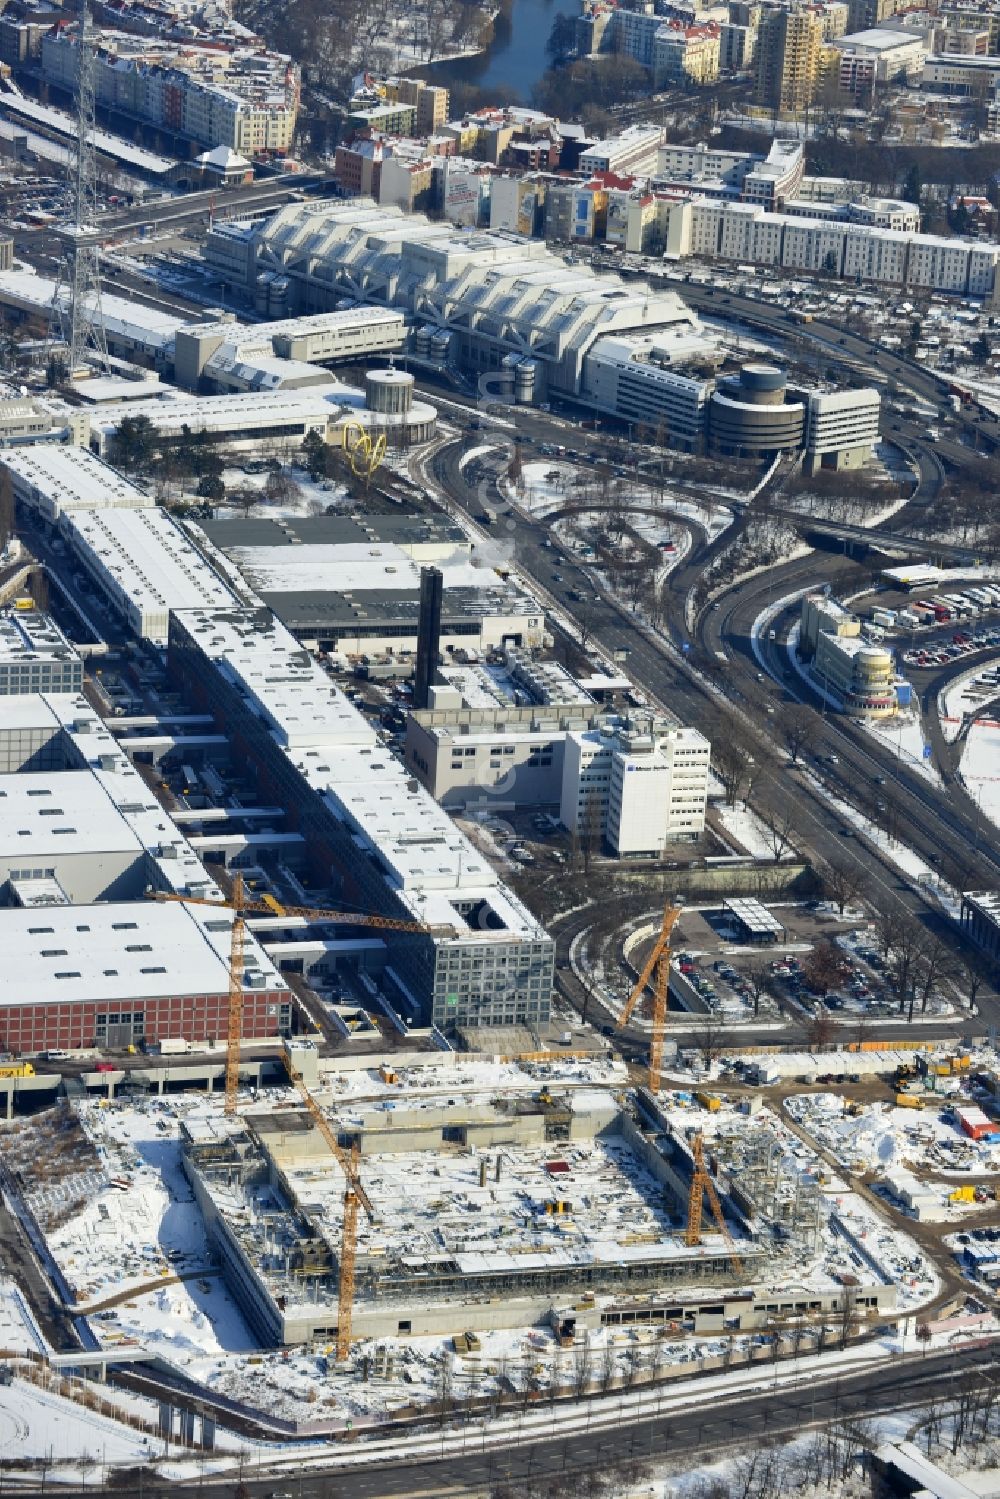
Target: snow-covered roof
[
  {"x": 122, "y": 951},
  {"x": 150, "y": 557}
]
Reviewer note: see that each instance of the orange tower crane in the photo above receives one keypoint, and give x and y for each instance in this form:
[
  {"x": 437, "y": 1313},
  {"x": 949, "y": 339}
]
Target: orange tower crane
[
  {"x": 240, "y": 905},
  {"x": 702, "y": 1184},
  {"x": 658, "y": 962},
  {"x": 354, "y": 1193}
]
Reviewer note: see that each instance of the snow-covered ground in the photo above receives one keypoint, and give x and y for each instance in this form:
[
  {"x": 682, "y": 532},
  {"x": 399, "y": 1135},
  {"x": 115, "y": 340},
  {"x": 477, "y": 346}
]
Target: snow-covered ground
[
  {"x": 313, "y": 496},
  {"x": 550, "y": 485},
  {"x": 148, "y": 1228},
  {"x": 885, "y": 1140},
  {"x": 752, "y": 833},
  {"x": 980, "y": 767},
  {"x": 40, "y": 1424},
  {"x": 966, "y": 695},
  {"x": 904, "y": 735}
]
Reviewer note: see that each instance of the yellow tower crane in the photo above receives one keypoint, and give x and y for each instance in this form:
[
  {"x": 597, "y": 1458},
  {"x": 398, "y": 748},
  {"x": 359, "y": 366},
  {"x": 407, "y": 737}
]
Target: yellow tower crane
[
  {"x": 657, "y": 963},
  {"x": 702, "y": 1184},
  {"x": 239, "y": 904},
  {"x": 354, "y": 1193}
]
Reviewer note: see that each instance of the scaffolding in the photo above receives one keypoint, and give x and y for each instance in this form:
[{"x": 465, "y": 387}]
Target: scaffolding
[{"x": 767, "y": 1184}]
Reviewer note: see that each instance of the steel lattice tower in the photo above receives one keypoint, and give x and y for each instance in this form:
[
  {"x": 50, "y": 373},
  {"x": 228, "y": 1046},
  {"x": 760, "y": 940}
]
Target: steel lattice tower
[{"x": 77, "y": 316}]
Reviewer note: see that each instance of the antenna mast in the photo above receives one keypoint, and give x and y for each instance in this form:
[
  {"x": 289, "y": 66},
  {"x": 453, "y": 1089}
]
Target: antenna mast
[{"x": 77, "y": 315}]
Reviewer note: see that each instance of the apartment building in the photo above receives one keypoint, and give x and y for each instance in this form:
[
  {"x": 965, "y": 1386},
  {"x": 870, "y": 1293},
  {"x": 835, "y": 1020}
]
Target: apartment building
[
  {"x": 843, "y": 248},
  {"x": 737, "y": 47},
  {"x": 242, "y": 97},
  {"x": 789, "y": 58},
  {"x": 429, "y": 102},
  {"x": 686, "y": 55},
  {"x": 634, "y": 151}
]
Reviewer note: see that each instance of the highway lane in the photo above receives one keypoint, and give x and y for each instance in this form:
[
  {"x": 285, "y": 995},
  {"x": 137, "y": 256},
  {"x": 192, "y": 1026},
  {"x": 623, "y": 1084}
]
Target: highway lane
[
  {"x": 702, "y": 1432},
  {"x": 191, "y": 208},
  {"x": 936, "y": 824},
  {"x": 680, "y": 691}
]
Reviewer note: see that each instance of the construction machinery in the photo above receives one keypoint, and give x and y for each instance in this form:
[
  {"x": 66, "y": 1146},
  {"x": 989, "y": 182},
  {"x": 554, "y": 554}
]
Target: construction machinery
[
  {"x": 702, "y": 1185},
  {"x": 658, "y": 964},
  {"x": 354, "y": 1192},
  {"x": 239, "y": 904}
]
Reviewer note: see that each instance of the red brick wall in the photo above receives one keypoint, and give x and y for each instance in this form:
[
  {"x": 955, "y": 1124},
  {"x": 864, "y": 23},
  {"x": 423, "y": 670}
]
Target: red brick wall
[{"x": 40, "y": 1027}]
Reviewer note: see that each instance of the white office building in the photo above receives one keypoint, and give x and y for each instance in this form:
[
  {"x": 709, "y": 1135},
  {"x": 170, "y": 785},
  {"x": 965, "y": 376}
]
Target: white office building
[
  {"x": 631, "y": 378},
  {"x": 841, "y": 428},
  {"x": 633, "y": 152},
  {"x": 637, "y": 786}
]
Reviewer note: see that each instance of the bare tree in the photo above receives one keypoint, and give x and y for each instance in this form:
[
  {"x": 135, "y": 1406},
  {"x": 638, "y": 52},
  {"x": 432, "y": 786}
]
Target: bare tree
[
  {"x": 823, "y": 1030},
  {"x": 798, "y": 728},
  {"x": 778, "y": 822},
  {"x": 933, "y": 962},
  {"x": 708, "y": 1041},
  {"x": 732, "y": 762},
  {"x": 758, "y": 977},
  {"x": 847, "y": 1316},
  {"x": 844, "y": 881},
  {"x": 823, "y": 967},
  {"x": 972, "y": 974}
]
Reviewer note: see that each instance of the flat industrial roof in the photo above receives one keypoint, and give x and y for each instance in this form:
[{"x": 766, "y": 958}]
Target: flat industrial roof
[
  {"x": 295, "y": 697},
  {"x": 118, "y": 794},
  {"x": 121, "y": 951},
  {"x": 69, "y": 478},
  {"x": 229, "y": 533},
  {"x": 30, "y": 635},
  {"x": 424, "y": 855},
  {"x": 151, "y": 558},
  {"x": 352, "y": 567},
  {"x": 45, "y": 814},
  {"x": 308, "y": 610}
]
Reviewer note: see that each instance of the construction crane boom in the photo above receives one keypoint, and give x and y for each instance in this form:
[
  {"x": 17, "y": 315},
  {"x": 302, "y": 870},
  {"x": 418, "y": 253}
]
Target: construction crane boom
[
  {"x": 702, "y": 1183},
  {"x": 658, "y": 962},
  {"x": 354, "y": 1193},
  {"x": 272, "y": 907},
  {"x": 239, "y": 905},
  {"x": 348, "y": 1164}
]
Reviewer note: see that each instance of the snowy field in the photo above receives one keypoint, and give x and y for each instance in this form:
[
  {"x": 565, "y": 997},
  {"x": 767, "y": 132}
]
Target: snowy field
[
  {"x": 305, "y": 496},
  {"x": 550, "y": 485},
  {"x": 147, "y": 1228},
  {"x": 904, "y": 735},
  {"x": 966, "y": 695},
  {"x": 980, "y": 767},
  {"x": 752, "y": 833}
]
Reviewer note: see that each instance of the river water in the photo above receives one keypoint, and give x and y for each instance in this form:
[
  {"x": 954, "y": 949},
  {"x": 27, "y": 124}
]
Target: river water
[{"x": 516, "y": 59}]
